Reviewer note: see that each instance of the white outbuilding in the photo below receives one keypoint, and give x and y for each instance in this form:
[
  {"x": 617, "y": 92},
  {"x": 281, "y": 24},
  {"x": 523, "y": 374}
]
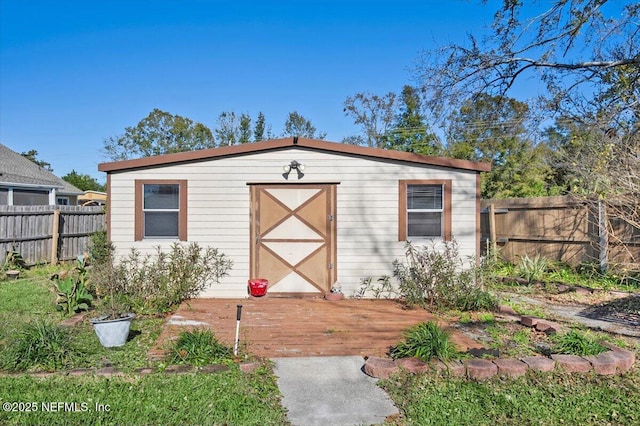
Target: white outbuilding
[{"x": 303, "y": 214}]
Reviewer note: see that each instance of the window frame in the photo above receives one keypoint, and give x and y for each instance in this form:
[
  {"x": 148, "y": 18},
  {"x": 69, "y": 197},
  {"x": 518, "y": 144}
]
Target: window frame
[
  {"x": 403, "y": 212},
  {"x": 40, "y": 193},
  {"x": 140, "y": 213}
]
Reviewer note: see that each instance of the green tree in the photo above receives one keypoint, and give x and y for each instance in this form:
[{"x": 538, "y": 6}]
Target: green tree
[
  {"x": 494, "y": 130},
  {"x": 374, "y": 114},
  {"x": 228, "y": 129},
  {"x": 585, "y": 57},
  {"x": 158, "y": 133},
  {"x": 32, "y": 155},
  {"x": 579, "y": 50},
  {"x": 261, "y": 130},
  {"x": 298, "y": 125},
  {"x": 244, "y": 135},
  {"x": 83, "y": 182},
  {"x": 410, "y": 131}
]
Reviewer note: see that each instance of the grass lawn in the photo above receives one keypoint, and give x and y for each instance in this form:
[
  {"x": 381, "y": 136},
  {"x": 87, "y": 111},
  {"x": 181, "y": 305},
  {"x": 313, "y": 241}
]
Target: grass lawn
[
  {"x": 229, "y": 397},
  {"x": 536, "y": 399},
  {"x": 234, "y": 398}
]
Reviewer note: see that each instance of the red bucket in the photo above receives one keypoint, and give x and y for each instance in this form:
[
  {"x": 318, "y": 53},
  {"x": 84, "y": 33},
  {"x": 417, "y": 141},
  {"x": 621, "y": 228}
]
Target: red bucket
[{"x": 258, "y": 287}]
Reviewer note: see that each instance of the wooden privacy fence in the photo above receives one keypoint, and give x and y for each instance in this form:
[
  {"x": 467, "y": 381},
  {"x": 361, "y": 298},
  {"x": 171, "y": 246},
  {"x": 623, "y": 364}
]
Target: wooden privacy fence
[
  {"x": 48, "y": 234},
  {"x": 558, "y": 228}
]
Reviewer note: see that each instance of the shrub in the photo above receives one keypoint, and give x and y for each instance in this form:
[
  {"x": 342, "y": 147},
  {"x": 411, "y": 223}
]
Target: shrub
[
  {"x": 476, "y": 300},
  {"x": 438, "y": 277},
  {"x": 425, "y": 341},
  {"x": 71, "y": 288},
  {"x": 158, "y": 283},
  {"x": 576, "y": 343},
  {"x": 383, "y": 289},
  {"x": 38, "y": 345},
  {"x": 13, "y": 261},
  {"x": 199, "y": 347},
  {"x": 100, "y": 249},
  {"x": 532, "y": 269}
]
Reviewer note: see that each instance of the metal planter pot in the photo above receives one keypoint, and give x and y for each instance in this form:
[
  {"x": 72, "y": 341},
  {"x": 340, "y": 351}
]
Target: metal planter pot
[{"x": 112, "y": 332}]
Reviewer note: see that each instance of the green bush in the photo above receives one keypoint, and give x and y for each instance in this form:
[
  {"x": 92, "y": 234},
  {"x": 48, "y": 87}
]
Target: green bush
[
  {"x": 38, "y": 345},
  {"x": 476, "y": 300},
  {"x": 100, "y": 248},
  {"x": 159, "y": 283},
  {"x": 576, "y": 343},
  {"x": 436, "y": 276},
  {"x": 383, "y": 289},
  {"x": 13, "y": 261},
  {"x": 425, "y": 341},
  {"x": 199, "y": 347},
  {"x": 71, "y": 288},
  {"x": 532, "y": 269}
]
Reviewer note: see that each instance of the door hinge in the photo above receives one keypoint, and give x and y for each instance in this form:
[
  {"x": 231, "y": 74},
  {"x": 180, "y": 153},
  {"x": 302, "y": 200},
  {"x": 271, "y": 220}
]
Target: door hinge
[
  {"x": 330, "y": 218},
  {"x": 330, "y": 265}
]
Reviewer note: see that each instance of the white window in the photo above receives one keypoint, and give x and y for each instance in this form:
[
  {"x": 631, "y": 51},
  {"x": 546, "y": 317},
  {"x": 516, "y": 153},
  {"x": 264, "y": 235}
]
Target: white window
[
  {"x": 161, "y": 209},
  {"x": 425, "y": 209}
]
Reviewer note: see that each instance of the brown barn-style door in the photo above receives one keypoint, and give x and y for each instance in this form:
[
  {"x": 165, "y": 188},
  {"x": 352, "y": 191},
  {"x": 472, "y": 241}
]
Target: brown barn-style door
[{"x": 293, "y": 237}]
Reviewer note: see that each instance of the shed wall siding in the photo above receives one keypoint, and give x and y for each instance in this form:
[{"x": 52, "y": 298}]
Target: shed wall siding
[{"x": 367, "y": 209}]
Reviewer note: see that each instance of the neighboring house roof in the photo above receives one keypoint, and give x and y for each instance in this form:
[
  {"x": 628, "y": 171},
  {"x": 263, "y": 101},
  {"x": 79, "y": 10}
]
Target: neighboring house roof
[
  {"x": 18, "y": 171},
  {"x": 92, "y": 198},
  {"x": 279, "y": 144}
]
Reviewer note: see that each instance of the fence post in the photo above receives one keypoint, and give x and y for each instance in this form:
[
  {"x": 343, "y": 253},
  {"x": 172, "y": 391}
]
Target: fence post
[
  {"x": 55, "y": 236},
  {"x": 492, "y": 231},
  {"x": 603, "y": 235}
]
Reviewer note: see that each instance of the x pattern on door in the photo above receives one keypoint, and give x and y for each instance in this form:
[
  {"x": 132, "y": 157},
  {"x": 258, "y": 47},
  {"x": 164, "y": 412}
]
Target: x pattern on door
[{"x": 293, "y": 229}]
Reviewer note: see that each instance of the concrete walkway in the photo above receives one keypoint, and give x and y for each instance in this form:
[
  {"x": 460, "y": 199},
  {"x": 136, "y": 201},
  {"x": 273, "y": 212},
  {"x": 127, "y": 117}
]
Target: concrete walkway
[{"x": 330, "y": 391}]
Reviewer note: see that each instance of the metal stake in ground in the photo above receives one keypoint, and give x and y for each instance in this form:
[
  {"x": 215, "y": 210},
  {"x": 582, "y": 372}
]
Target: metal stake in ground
[{"x": 238, "y": 315}]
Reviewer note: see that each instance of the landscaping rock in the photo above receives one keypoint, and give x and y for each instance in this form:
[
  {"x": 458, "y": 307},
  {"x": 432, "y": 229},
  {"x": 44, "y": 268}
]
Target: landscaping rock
[
  {"x": 506, "y": 309},
  {"x": 481, "y": 352},
  {"x": 43, "y": 374},
  {"x": 249, "y": 367},
  {"x": 572, "y": 363},
  {"x": 214, "y": 368},
  {"x": 624, "y": 358},
  {"x": 439, "y": 366},
  {"x": 178, "y": 369},
  {"x": 603, "y": 363},
  {"x": 80, "y": 371},
  {"x": 582, "y": 290},
  {"x": 381, "y": 368},
  {"x": 510, "y": 367},
  {"x": 548, "y": 327},
  {"x": 529, "y": 321},
  {"x": 74, "y": 320},
  {"x": 145, "y": 370},
  {"x": 543, "y": 348},
  {"x": 479, "y": 369},
  {"x": 456, "y": 368},
  {"x": 109, "y": 372},
  {"x": 539, "y": 363},
  {"x": 413, "y": 365}
]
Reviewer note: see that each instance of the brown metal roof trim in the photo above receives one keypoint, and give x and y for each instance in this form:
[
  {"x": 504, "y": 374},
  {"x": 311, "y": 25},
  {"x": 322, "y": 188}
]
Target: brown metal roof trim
[{"x": 275, "y": 144}]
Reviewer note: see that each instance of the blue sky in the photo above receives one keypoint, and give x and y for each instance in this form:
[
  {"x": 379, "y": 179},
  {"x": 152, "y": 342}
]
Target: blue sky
[{"x": 73, "y": 73}]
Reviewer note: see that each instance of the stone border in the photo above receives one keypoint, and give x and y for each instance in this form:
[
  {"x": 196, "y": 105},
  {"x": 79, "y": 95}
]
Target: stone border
[
  {"x": 614, "y": 361},
  {"x": 246, "y": 367}
]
